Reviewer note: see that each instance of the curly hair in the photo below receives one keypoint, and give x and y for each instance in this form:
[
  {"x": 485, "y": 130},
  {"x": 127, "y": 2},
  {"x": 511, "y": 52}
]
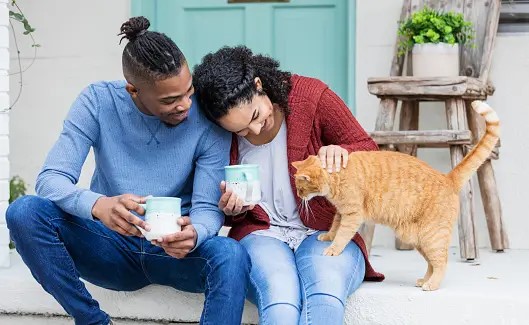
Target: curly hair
[
  {"x": 150, "y": 56},
  {"x": 225, "y": 79}
]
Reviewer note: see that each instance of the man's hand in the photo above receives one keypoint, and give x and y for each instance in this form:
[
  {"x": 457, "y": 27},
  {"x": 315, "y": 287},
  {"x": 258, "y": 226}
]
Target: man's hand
[
  {"x": 181, "y": 243},
  {"x": 115, "y": 213}
]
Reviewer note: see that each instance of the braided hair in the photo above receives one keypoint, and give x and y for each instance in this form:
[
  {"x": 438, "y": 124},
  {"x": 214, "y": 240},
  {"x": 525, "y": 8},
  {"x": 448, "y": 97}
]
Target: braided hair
[
  {"x": 149, "y": 56},
  {"x": 225, "y": 79}
]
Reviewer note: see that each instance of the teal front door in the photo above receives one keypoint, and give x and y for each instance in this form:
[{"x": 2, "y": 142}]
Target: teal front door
[{"x": 308, "y": 37}]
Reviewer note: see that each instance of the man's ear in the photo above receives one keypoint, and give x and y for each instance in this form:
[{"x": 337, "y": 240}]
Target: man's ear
[{"x": 131, "y": 89}]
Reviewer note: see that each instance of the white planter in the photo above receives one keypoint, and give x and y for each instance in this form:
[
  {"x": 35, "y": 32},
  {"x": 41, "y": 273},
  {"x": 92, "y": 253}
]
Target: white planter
[{"x": 435, "y": 60}]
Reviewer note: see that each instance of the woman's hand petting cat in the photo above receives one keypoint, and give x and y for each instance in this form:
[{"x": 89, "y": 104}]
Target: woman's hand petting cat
[
  {"x": 333, "y": 157},
  {"x": 181, "y": 243},
  {"x": 230, "y": 203},
  {"x": 114, "y": 212}
]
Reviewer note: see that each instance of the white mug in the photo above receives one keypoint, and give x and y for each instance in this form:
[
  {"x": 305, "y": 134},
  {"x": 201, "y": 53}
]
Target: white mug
[
  {"x": 162, "y": 214},
  {"x": 244, "y": 180}
]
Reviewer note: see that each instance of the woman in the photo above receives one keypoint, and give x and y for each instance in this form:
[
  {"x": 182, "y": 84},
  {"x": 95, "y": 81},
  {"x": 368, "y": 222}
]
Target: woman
[{"x": 278, "y": 118}]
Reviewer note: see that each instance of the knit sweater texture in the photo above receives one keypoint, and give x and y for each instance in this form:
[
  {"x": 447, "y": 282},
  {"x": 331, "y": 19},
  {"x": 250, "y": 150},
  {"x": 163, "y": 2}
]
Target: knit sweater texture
[{"x": 318, "y": 117}]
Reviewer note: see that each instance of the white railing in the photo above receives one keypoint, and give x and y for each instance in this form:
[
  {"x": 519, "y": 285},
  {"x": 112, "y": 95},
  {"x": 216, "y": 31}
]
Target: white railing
[{"x": 4, "y": 131}]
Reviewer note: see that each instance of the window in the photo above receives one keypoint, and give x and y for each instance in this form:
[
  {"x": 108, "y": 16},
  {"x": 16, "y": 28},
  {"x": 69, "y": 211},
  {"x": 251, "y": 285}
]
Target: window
[{"x": 514, "y": 16}]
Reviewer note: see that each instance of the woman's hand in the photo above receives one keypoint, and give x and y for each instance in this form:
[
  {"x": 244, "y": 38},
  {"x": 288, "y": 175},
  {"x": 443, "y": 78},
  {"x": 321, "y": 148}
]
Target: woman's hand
[
  {"x": 230, "y": 203},
  {"x": 333, "y": 157}
]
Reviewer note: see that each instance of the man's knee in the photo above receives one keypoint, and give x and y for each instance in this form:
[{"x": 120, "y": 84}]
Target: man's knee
[
  {"x": 230, "y": 252},
  {"x": 22, "y": 214}
]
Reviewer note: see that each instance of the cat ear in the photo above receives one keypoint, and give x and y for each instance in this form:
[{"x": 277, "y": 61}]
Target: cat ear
[
  {"x": 296, "y": 164},
  {"x": 314, "y": 160}
]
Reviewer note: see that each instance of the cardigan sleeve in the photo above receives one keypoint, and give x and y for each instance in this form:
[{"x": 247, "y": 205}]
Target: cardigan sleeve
[
  {"x": 339, "y": 126},
  {"x": 229, "y": 221}
]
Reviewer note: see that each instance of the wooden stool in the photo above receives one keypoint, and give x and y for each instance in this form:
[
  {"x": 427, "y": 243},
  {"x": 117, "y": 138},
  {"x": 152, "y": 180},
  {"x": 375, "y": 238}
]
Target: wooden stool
[{"x": 456, "y": 93}]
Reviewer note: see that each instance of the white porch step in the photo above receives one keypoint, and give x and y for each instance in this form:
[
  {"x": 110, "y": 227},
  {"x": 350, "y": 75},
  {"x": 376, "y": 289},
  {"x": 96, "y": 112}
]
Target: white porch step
[
  {"x": 491, "y": 291},
  {"x": 63, "y": 320}
]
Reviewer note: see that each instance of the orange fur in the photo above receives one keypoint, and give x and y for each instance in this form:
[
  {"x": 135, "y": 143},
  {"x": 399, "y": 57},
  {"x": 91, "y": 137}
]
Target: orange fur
[{"x": 400, "y": 191}]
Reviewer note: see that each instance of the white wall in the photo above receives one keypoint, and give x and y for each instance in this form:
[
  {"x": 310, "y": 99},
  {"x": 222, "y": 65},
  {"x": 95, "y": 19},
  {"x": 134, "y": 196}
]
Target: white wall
[
  {"x": 4, "y": 132},
  {"x": 79, "y": 46},
  {"x": 376, "y": 26}
]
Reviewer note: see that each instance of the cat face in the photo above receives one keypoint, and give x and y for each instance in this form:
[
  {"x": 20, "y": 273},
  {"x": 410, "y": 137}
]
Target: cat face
[{"x": 311, "y": 179}]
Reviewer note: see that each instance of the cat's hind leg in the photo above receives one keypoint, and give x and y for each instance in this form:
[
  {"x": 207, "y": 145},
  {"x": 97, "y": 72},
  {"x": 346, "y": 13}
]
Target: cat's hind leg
[
  {"x": 435, "y": 250},
  {"x": 429, "y": 271},
  {"x": 329, "y": 236}
]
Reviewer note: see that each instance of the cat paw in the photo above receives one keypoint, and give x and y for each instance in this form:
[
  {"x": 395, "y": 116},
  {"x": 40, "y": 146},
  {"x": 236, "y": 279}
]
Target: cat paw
[
  {"x": 430, "y": 286},
  {"x": 325, "y": 237},
  {"x": 332, "y": 251},
  {"x": 419, "y": 282}
]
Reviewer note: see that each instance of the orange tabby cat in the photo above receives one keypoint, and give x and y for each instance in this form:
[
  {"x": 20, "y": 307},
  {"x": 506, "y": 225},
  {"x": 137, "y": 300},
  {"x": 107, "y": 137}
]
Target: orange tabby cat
[{"x": 400, "y": 191}]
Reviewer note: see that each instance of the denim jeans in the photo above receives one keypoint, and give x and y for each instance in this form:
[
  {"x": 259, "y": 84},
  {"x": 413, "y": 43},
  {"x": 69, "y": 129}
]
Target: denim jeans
[
  {"x": 302, "y": 287},
  {"x": 59, "y": 248}
]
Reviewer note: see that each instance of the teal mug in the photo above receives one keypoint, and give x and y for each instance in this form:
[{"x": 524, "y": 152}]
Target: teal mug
[
  {"x": 162, "y": 214},
  {"x": 244, "y": 181}
]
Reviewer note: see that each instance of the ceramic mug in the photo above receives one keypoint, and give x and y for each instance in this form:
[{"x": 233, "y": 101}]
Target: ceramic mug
[
  {"x": 244, "y": 181},
  {"x": 162, "y": 214}
]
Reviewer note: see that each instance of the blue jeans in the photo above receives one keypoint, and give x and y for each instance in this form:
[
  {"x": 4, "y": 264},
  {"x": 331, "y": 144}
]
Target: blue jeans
[
  {"x": 304, "y": 287},
  {"x": 58, "y": 248}
]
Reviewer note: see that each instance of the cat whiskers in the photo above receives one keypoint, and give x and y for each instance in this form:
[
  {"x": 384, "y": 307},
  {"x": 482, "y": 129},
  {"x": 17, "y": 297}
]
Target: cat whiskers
[{"x": 305, "y": 207}]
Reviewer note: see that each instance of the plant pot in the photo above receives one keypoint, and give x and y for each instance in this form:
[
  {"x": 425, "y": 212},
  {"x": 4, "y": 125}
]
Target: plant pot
[{"x": 435, "y": 60}]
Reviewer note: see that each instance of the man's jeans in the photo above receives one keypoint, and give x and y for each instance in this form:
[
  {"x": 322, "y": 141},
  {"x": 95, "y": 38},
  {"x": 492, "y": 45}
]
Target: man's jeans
[{"x": 58, "y": 248}]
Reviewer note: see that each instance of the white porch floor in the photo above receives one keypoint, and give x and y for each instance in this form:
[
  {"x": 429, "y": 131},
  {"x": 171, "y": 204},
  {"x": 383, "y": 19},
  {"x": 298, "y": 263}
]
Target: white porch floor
[{"x": 494, "y": 290}]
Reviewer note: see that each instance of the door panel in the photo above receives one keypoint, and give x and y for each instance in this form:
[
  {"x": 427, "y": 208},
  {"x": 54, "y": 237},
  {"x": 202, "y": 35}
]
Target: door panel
[{"x": 308, "y": 37}]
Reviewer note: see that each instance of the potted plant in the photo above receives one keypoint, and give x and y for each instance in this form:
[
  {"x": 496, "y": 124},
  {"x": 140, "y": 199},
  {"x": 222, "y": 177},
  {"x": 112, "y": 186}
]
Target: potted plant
[{"x": 434, "y": 38}]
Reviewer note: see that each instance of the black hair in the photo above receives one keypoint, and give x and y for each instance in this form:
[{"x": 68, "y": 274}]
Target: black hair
[
  {"x": 149, "y": 56},
  {"x": 225, "y": 79}
]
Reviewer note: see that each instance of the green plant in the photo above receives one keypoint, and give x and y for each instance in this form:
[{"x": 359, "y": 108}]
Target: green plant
[
  {"x": 17, "y": 188},
  {"x": 19, "y": 16},
  {"x": 430, "y": 26},
  {"x": 16, "y": 14}
]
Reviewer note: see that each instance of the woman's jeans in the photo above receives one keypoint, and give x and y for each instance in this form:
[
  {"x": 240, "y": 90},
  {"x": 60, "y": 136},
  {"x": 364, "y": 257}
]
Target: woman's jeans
[
  {"x": 302, "y": 287},
  {"x": 58, "y": 248}
]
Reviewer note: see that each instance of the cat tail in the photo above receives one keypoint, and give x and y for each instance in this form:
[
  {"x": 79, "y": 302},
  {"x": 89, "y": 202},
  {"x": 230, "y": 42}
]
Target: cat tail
[{"x": 480, "y": 153}]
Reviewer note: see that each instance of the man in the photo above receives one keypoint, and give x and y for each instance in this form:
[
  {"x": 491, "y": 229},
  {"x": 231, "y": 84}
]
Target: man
[{"x": 149, "y": 139}]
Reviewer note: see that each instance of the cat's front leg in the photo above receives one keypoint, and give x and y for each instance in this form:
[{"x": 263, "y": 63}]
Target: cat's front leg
[
  {"x": 329, "y": 236},
  {"x": 348, "y": 226}
]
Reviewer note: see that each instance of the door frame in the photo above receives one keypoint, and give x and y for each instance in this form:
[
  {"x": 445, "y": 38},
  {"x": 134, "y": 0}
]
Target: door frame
[{"x": 148, "y": 9}]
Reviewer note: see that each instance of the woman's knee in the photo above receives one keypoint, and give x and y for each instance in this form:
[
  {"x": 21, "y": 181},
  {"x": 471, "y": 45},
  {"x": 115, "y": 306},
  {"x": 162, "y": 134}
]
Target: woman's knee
[
  {"x": 323, "y": 309},
  {"x": 337, "y": 276},
  {"x": 279, "y": 313}
]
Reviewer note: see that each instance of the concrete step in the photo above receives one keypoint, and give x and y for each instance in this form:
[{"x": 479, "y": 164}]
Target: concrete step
[
  {"x": 19, "y": 319},
  {"x": 490, "y": 291}
]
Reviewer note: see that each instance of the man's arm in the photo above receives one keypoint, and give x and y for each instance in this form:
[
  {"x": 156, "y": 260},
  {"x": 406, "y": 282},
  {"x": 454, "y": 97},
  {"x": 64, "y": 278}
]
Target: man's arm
[
  {"x": 205, "y": 215},
  {"x": 60, "y": 173}
]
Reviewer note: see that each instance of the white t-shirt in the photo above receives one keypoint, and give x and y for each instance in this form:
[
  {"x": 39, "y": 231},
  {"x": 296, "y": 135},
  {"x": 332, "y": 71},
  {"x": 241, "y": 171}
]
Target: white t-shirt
[{"x": 277, "y": 198}]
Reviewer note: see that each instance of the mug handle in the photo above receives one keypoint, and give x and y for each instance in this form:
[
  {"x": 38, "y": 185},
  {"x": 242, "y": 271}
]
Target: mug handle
[{"x": 249, "y": 186}]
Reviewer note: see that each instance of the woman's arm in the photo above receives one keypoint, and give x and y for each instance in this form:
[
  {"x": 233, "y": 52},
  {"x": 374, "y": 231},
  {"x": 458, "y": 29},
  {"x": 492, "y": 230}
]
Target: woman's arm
[{"x": 339, "y": 126}]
